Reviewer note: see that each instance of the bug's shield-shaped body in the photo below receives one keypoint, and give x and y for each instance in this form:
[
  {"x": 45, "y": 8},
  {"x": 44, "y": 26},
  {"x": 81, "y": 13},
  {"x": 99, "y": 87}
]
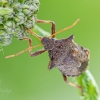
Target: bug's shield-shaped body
[{"x": 70, "y": 58}]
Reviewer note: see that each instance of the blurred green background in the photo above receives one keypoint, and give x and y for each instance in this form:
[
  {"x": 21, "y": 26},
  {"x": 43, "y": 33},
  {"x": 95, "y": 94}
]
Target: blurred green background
[{"x": 26, "y": 78}]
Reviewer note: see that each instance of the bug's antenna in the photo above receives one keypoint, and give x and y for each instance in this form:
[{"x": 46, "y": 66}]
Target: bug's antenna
[
  {"x": 33, "y": 33},
  {"x": 10, "y": 56},
  {"x": 66, "y": 28}
]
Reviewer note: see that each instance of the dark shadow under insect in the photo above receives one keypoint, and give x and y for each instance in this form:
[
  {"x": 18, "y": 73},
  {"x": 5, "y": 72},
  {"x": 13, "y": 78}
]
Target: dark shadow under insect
[{"x": 67, "y": 56}]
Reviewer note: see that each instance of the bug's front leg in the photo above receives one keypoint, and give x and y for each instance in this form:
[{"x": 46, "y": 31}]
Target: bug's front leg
[
  {"x": 37, "y": 53},
  {"x": 74, "y": 85},
  {"x": 48, "y": 21}
]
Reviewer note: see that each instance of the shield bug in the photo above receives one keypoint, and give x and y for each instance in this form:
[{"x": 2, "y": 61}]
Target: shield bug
[{"x": 66, "y": 55}]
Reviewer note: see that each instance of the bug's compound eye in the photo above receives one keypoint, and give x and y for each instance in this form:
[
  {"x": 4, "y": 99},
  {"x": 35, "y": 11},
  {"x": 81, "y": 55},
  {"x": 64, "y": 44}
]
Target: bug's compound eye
[{"x": 74, "y": 52}]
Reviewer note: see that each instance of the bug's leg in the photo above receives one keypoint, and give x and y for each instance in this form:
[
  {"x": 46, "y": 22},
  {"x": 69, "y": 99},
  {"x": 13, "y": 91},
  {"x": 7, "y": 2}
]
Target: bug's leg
[
  {"x": 29, "y": 43},
  {"x": 48, "y": 21},
  {"x": 37, "y": 53},
  {"x": 28, "y": 49},
  {"x": 34, "y": 34},
  {"x": 74, "y": 85}
]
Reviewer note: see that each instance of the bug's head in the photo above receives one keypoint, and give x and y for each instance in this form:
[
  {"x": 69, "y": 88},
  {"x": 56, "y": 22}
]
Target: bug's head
[{"x": 48, "y": 43}]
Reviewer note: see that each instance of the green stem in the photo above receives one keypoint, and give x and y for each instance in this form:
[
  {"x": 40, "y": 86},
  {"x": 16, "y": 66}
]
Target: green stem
[
  {"x": 90, "y": 88},
  {"x": 86, "y": 80}
]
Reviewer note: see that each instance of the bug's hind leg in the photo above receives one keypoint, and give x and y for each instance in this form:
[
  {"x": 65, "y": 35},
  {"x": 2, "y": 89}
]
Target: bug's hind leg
[
  {"x": 74, "y": 85},
  {"x": 48, "y": 21}
]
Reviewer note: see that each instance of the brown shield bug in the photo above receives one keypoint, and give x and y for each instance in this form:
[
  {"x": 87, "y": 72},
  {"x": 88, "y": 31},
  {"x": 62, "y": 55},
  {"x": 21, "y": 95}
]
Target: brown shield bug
[{"x": 66, "y": 55}]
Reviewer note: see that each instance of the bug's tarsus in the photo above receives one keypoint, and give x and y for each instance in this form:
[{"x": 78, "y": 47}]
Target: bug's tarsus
[
  {"x": 74, "y": 85},
  {"x": 46, "y": 22}
]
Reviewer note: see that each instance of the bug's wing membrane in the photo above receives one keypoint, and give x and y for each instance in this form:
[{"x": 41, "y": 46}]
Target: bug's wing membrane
[{"x": 70, "y": 67}]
